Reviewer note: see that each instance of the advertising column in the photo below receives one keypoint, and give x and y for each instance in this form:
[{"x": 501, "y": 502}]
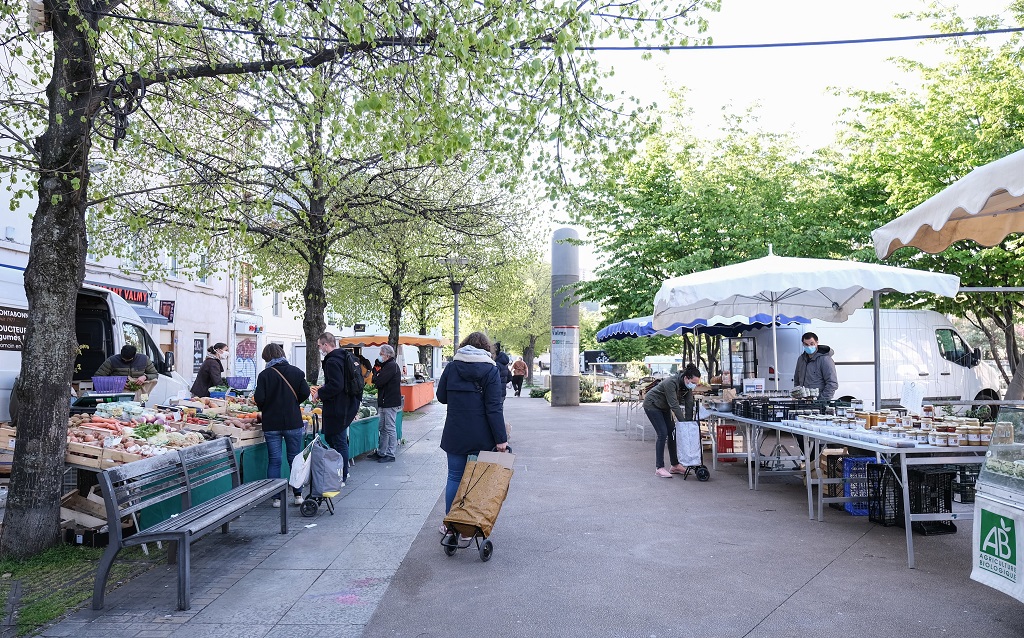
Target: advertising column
[{"x": 565, "y": 320}]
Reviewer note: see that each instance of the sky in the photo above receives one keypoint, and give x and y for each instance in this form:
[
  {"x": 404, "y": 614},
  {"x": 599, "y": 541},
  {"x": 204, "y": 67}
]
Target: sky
[{"x": 791, "y": 86}]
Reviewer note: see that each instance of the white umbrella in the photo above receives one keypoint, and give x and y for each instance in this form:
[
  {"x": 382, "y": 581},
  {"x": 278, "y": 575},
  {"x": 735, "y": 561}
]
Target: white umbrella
[
  {"x": 982, "y": 206},
  {"x": 815, "y": 288}
]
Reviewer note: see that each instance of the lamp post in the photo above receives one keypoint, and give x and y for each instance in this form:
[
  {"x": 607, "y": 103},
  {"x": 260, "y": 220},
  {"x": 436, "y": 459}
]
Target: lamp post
[
  {"x": 456, "y": 287},
  {"x": 452, "y": 264}
]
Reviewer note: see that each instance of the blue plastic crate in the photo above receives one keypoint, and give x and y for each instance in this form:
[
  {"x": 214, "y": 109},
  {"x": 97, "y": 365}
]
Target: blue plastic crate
[{"x": 855, "y": 468}]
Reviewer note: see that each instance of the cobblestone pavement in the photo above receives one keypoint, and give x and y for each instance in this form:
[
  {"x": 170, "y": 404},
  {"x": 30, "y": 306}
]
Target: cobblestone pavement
[{"x": 589, "y": 543}]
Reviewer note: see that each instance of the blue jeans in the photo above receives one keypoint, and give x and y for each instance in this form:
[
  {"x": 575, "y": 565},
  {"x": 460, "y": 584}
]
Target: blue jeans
[
  {"x": 292, "y": 441},
  {"x": 456, "y": 467}
]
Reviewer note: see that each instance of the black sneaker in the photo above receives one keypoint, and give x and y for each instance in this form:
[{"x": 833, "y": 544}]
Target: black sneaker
[
  {"x": 386, "y": 459},
  {"x": 373, "y": 455}
]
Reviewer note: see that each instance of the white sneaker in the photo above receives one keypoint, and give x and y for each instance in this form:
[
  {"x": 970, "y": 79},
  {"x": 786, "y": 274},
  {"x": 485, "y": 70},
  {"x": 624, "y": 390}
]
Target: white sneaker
[
  {"x": 276, "y": 502},
  {"x": 298, "y": 499}
]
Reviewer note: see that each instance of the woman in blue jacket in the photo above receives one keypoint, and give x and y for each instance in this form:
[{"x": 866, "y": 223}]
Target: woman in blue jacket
[{"x": 471, "y": 387}]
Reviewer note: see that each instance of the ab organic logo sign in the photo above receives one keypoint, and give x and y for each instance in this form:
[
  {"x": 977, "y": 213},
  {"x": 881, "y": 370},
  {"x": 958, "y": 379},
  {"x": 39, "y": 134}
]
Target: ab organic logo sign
[{"x": 998, "y": 545}]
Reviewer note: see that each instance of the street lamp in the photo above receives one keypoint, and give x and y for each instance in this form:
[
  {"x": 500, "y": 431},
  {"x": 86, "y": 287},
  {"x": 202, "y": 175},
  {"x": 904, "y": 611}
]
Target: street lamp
[{"x": 452, "y": 264}]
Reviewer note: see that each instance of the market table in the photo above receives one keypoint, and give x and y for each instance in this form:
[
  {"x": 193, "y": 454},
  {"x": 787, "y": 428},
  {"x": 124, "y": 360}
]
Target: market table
[
  {"x": 417, "y": 395},
  {"x": 920, "y": 455}
]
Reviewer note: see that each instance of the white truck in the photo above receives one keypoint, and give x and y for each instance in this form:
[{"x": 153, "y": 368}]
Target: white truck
[
  {"x": 103, "y": 321},
  {"x": 921, "y": 346}
]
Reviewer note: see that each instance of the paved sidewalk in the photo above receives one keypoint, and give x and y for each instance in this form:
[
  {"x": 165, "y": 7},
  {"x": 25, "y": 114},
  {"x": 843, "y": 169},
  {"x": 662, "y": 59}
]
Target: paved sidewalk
[{"x": 590, "y": 543}]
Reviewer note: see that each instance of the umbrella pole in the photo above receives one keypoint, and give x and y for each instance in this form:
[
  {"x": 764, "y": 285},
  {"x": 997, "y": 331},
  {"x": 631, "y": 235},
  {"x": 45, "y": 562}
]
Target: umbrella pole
[
  {"x": 875, "y": 318},
  {"x": 775, "y": 346}
]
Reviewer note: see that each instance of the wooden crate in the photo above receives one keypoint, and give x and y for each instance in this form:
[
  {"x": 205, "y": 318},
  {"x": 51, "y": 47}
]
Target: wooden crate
[
  {"x": 239, "y": 437},
  {"x": 84, "y": 455},
  {"x": 112, "y": 457},
  {"x": 7, "y": 437}
]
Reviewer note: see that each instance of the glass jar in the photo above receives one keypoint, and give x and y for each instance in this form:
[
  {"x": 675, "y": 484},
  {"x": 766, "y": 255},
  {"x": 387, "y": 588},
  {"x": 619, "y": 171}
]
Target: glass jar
[
  {"x": 922, "y": 436},
  {"x": 1002, "y": 433},
  {"x": 953, "y": 439},
  {"x": 986, "y": 435},
  {"x": 974, "y": 435},
  {"x": 941, "y": 439},
  {"x": 926, "y": 424},
  {"x": 931, "y": 436},
  {"x": 928, "y": 411}
]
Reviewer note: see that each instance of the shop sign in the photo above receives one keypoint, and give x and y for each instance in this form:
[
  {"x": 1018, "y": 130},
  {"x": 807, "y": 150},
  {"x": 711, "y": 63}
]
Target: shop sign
[
  {"x": 131, "y": 295},
  {"x": 248, "y": 327},
  {"x": 359, "y": 327},
  {"x": 13, "y": 323},
  {"x": 167, "y": 310},
  {"x": 565, "y": 351},
  {"x": 996, "y": 549}
]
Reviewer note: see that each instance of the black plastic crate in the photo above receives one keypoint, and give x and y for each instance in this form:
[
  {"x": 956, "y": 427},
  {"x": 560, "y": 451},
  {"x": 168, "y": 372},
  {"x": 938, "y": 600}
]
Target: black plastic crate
[
  {"x": 776, "y": 411},
  {"x": 884, "y": 495},
  {"x": 931, "y": 492},
  {"x": 963, "y": 492},
  {"x": 834, "y": 469}
]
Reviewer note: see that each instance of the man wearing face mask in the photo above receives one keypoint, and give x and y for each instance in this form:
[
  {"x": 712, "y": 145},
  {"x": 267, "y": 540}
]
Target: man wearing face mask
[
  {"x": 816, "y": 369},
  {"x": 668, "y": 402}
]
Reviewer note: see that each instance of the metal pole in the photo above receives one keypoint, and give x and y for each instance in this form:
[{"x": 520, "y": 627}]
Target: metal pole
[
  {"x": 876, "y": 319},
  {"x": 456, "y": 288}
]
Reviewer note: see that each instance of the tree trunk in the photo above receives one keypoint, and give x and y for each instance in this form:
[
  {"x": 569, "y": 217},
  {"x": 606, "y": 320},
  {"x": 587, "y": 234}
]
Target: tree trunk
[
  {"x": 1015, "y": 389},
  {"x": 528, "y": 354},
  {"x": 56, "y": 268},
  {"x": 395, "y": 318},
  {"x": 315, "y": 302}
]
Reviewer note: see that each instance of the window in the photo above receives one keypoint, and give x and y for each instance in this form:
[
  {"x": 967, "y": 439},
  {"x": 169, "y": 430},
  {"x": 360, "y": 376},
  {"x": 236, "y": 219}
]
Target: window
[
  {"x": 203, "y": 265},
  {"x": 952, "y": 347},
  {"x": 245, "y": 286},
  {"x": 275, "y": 306},
  {"x": 172, "y": 266}
]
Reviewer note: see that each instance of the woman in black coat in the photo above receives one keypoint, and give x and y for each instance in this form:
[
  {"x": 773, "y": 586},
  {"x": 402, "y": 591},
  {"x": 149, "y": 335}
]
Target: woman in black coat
[
  {"x": 471, "y": 387},
  {"x": 211, "y": 372},
  {"x": 280, "y": 389}
]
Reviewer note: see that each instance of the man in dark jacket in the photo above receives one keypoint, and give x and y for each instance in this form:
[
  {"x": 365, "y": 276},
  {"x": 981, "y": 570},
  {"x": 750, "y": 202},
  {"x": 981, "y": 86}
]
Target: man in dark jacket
[
  {"x": 339, "y": 406},
  {"x": 502, "y": 359},
  {"x": 137, "y": 367},
  {"x": 387, "y": 378}
]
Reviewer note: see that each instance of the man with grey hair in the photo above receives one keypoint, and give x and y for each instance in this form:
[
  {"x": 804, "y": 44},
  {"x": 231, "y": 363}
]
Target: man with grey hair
[{"x": 387, "y": 378}]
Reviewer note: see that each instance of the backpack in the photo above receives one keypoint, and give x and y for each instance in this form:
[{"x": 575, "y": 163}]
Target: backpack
[{"x": 354, "y": 381}]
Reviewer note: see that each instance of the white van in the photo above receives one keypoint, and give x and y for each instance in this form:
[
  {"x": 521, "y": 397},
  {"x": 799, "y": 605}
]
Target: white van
[
  {"x": 103, "y": 321},
  {"x": 664, "y": 366},
  {"x": 916, "y": 345}
]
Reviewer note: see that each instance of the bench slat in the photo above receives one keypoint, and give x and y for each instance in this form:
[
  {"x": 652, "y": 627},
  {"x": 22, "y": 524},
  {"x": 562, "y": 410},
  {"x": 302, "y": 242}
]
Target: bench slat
[{"x": 209, "y": 513}]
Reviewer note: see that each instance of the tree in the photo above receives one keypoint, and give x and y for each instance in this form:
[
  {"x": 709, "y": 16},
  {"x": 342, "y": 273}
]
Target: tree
[
  {"x": 520, "y": 311},
  {"x": 689, "y": 204},
  {"x": 494, "y": 74},
  {"x": 906, "y": 145}
]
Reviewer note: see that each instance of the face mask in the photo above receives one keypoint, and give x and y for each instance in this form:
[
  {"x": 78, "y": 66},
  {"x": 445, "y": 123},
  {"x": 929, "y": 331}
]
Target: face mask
[
  {"x": 810, "y": 349},
  {"x": 689, "y": 386}
]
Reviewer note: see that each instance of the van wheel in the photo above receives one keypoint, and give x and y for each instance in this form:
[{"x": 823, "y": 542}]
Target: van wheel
[{"x": 993, "y": 410}]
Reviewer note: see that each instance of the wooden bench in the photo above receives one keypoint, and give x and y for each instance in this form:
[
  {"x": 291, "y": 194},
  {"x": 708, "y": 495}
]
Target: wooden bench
[{"x": 134, "y": 486}]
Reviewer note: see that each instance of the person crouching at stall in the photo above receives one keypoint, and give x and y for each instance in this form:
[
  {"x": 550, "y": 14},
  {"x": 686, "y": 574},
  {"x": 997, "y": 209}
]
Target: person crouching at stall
[{"x": 668, "y": 402}]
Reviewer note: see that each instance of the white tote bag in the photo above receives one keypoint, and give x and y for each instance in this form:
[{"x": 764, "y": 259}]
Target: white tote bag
[
  {"x": 301, "y": 467},
  {"x": 688, "y": 443}
]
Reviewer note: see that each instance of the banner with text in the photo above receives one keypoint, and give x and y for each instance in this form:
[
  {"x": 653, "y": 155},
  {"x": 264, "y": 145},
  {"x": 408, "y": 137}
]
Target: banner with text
[
  {"x": 565, "y": 351},
  {"x": 12, "y": 327},
  {"x": 997, "y": 547}
]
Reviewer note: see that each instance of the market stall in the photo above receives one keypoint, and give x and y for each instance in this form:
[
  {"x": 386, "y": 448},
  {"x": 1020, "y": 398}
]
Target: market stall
[
  {"x": 896, "y": 452},
  {"x": 417, "y": 395}
]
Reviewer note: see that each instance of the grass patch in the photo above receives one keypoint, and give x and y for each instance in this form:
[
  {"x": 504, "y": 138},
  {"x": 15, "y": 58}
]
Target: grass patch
[{"x": 50, "y": 584}]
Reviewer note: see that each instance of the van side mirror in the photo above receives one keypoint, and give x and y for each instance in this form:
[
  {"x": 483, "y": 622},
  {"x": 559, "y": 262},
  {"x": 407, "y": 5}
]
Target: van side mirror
[
  {"x": 169, "y": 362},
  {"x": 976, "y": 357}
]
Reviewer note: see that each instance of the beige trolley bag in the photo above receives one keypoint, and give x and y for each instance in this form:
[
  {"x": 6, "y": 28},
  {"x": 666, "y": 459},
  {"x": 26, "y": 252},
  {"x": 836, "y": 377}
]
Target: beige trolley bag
[{"x": 482, "y": 490}]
